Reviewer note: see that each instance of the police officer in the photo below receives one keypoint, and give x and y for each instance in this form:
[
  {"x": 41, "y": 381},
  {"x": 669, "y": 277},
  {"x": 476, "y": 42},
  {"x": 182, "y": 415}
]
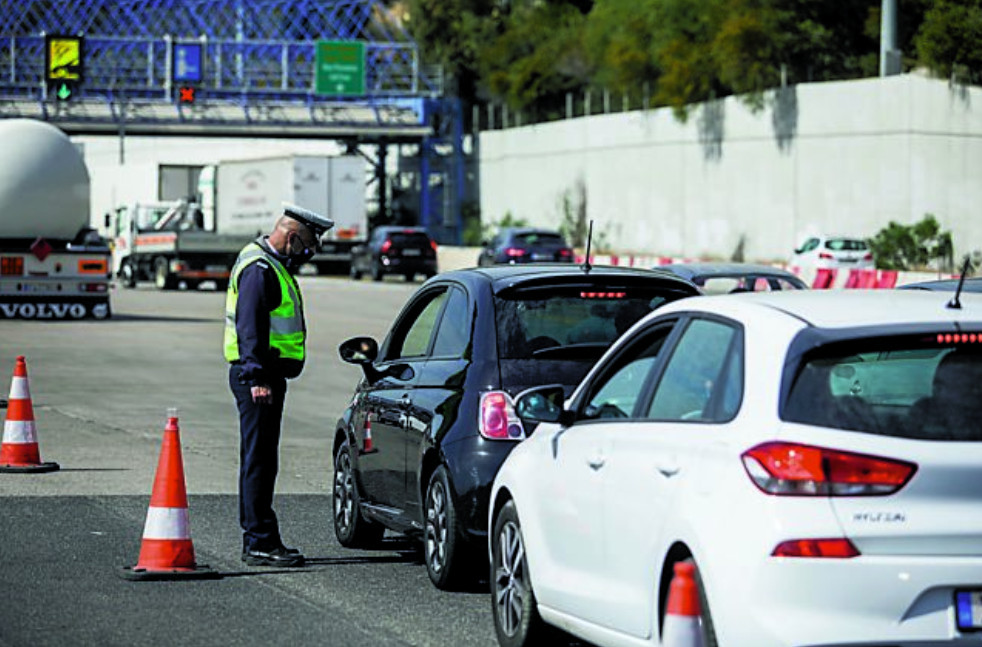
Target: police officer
[{"x": 265, "y": 346}]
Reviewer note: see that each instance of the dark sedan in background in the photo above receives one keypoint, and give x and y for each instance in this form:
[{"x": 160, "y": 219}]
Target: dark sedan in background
[
  {"x": 406, "y": 251},
  {"x": 432, "y": 418},
  {"x": 725, "y": 278},
  {"x": 525, "y": 245}
]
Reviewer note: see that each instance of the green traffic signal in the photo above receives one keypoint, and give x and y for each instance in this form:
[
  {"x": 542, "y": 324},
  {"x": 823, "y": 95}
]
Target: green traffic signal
[{"x": 64, "y": 92}]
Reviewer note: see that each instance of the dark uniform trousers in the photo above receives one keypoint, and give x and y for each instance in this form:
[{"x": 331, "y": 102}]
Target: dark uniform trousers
[{"x": 259, "y": 426}]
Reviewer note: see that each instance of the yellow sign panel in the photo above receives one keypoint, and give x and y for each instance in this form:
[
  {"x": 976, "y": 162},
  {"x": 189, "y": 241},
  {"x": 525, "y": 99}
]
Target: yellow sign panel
[{"x": 64, "y": 58}]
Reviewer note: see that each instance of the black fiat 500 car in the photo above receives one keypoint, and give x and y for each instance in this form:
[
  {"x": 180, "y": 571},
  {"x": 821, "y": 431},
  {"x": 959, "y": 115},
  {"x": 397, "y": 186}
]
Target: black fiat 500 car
[
  {"x": 525, "y": 245},
  {"x": 432, "y": 418},
  {"x": 406, "y": 251}
]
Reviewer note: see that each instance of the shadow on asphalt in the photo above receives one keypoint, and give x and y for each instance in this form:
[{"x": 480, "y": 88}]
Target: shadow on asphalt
[{"x": 143, "y": 318}]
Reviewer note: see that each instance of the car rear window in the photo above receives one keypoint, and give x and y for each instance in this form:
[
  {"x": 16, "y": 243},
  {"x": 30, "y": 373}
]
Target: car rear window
[
  {"x": 846, "y": 245},
  {"x": 537, "y": 238},
  {"x": 555, "y": 335},
  {"x": 409, "y": 239},
  {"x": 927, "y": 387}
]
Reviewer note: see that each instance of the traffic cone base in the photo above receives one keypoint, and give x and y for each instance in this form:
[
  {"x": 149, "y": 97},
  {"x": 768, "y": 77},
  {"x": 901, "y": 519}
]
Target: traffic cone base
[
  {"x": 167, "y": 551},
  {"x": 19, "y": 449}
]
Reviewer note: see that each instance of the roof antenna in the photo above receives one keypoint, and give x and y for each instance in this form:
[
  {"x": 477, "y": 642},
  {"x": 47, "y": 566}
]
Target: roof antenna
[
  {"x": 955, "y": 303},
  {"x": 586, "y": 258}
]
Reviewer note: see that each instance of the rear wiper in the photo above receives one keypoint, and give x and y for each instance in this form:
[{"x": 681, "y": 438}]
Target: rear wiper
[{"x": 588, "y": 349}]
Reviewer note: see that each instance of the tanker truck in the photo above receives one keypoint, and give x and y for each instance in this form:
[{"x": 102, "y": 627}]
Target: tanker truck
[{"x": 53, "y": 265}]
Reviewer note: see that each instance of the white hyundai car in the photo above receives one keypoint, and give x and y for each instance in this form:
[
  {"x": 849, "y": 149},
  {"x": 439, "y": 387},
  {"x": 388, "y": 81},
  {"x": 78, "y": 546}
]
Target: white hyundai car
[{"x": 818, "y": 455}]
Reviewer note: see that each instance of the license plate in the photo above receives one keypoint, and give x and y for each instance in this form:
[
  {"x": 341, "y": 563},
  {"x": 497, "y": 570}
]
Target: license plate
[
  {"x": 38, "y": 288},
  {"x": 411, "y": 252},
  {"x": 215, "y": 268},
  {"x": 968, "y": 610},
  {"x": 11, "y": 266},
  {"x": 541, "y": 257}
]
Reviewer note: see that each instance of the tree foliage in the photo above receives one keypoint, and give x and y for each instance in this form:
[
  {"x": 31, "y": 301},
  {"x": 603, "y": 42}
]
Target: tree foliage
[
  {"x": 530, "y": 53},
  {"x": 911, "y": 247}
]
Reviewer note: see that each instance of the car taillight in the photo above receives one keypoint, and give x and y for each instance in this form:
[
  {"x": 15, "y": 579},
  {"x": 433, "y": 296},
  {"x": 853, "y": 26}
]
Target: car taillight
[
  {"x": 825, "y": 256},
  {"x": 514, "y": 252},
  {"x": 498, "y": 418},
  {"x": 868, "y": 256},
  {"x": 836, "y": 548},
  {"x": 791, "y": 469},
  {"x": 386, "y": 246},
  {"x": 603, "y": 295},
  {"x": 433, "y": 245},
  {"x": 565, "y": 253}
]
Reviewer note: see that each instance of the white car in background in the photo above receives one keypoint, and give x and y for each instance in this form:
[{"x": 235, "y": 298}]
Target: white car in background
[
  {"x": 818, "y": 455},
  {"x": 832, "y": 252}
]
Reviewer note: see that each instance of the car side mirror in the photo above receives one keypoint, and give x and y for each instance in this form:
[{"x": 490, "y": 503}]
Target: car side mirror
[
  {"x": 107, "y": 220},
  {"x": 359, "y": 350},
  {"x": 543, "y": 404}
]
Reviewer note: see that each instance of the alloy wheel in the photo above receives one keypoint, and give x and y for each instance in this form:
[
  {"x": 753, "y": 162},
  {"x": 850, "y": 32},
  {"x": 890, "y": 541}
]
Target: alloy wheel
[
  {"x": 436, "y": 527},
  {"x": 510, "y": 591},
  {"x": 343, "y": 493}
]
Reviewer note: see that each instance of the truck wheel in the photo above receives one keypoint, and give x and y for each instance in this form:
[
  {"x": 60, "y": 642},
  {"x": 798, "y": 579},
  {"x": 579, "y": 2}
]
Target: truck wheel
[
  {"x": 127, "y": 275},
  {"x": 162, "y": 277}
]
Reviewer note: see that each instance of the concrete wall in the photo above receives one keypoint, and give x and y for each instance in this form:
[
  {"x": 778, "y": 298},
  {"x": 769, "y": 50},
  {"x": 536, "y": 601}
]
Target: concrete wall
[{"x": 844, "y": 157}]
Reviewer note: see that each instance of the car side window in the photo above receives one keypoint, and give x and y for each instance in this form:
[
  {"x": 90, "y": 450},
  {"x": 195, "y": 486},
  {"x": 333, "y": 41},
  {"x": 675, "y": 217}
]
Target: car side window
[
  {"x": 617, "y": 394},
  {"x": 703, "y": 379},
  {"x": 412, "y": 335},
  {"x": 809, "y": 245},
  {"x": 454, "y": 332}
]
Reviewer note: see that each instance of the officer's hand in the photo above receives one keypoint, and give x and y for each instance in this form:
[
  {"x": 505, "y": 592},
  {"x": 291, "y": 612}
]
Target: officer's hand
[{"x": 262, "y": 394}]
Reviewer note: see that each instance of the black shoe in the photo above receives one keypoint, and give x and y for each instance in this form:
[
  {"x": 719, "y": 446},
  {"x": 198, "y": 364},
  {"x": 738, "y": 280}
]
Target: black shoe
[
  {"x": 275, "y": 557},
  {"x": 291, "y": 551}
]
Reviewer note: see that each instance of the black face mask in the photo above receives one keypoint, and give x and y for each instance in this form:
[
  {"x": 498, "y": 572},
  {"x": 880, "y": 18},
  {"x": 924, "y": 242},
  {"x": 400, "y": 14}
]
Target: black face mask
[{"x": 299, "y": 256}]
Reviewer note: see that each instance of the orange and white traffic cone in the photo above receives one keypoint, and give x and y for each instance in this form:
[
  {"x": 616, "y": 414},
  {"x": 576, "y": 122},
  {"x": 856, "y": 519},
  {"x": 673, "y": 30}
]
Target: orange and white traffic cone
[
  {"x": 682, "y": 628},
  {"x": 368, "y": 447},
  {"x": 167, "y": 551},
  {"x": 19, "y": 450}
]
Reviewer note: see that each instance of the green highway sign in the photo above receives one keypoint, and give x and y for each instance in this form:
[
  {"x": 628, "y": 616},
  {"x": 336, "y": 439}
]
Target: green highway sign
[{"x": 340, "y": 67}]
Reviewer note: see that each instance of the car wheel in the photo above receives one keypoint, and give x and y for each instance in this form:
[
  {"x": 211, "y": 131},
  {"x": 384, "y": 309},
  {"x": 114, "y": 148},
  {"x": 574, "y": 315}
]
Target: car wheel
[
  {"x": 708, "y": 629},
  {"x": 444, "y": 550},
  {"x": 410, "y": 278},
  {"x": 376, "y": 271},
  {"x": 351, "y": 529},
  {"x": 516, "y": 616}
]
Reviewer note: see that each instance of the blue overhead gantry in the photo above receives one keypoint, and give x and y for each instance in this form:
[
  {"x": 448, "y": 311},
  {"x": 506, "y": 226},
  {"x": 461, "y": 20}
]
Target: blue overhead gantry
[{"x": 332, "y": 69}]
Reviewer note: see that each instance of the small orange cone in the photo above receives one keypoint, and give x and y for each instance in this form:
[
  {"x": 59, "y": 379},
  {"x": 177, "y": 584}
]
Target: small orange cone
[
  {"x": 368, "y": 447},
  {"x": 167, "y": 551},
  {"x": 19, "y": 450},
  {"x": 682, "y": 628}
]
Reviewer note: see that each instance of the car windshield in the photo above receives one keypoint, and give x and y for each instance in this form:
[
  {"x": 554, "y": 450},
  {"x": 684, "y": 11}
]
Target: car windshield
[
  {"x": 539, "y": 238},
  {"x": 845, "y": 245},
  {"x": 926, "y": 387},
  {"x": 555, "y": 335}
]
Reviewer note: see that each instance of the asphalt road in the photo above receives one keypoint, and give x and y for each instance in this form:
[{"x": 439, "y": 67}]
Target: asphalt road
[{"x": 101, "y": 391}]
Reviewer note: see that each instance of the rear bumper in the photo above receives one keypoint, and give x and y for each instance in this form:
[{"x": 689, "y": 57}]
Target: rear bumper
[
  {"x": 397, "y": 265},
  {"x": 868, "y": 600},
  {"x": 474, "y": 462}
]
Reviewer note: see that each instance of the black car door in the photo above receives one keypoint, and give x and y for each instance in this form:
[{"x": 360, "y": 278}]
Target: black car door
[
  {"x": 437, "y": 398},
  {"x": 388, "y": 401}
]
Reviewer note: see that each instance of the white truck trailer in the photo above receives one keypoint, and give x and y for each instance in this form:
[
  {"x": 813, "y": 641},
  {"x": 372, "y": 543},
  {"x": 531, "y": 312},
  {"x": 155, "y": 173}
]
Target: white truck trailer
[
  {"x": 246, "y": 196},
  {"x": 53, "y": 264}
]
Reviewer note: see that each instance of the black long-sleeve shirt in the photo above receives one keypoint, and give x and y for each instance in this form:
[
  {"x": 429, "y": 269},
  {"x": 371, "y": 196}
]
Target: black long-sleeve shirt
[{"x": 259, "y": 294}]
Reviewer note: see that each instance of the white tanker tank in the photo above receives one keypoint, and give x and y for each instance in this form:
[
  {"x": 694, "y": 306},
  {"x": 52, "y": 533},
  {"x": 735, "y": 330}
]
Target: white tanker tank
[{"x": 53, "y": 265}]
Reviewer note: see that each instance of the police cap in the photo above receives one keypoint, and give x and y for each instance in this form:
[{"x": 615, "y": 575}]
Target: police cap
[{"x": 317, "y": 223}]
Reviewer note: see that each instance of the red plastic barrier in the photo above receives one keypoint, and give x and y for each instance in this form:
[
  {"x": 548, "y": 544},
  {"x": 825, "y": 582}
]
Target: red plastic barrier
[
  {"x": 824, "y": 278},
  {"x": 887, "y": 280}
]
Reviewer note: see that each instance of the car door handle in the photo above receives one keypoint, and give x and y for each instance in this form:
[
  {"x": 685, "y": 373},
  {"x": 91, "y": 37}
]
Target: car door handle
[
  {"x": 404, "y": 401},
  {"x": 668, "y": 470},
  {"x": 596, "y": 462}
]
